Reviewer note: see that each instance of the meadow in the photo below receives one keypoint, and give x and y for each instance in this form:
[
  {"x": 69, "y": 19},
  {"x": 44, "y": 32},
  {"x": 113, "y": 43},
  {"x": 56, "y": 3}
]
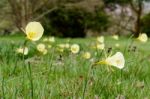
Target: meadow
[{"x": 60, "y": 74}]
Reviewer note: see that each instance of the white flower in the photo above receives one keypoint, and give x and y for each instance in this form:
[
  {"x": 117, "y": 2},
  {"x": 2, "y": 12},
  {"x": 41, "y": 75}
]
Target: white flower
[
  {"x": 51, "y": 39},
  {"x": 100, "y": 39},
  {"x": 34, "y": 31},
  {"x": 117, "y": 44},
  {"x": 87, "y": 55},
  {"x": 100, "y": 46},
  {"x": 75, "y": 48},
  {"x": 41, "y": 47},
  {"x": 116, "y": 60},
  {"x": 143, "y": 37},
  {"x": 45, "y": 40},
  {"x": 116, "y": 37},
  {"x": 23, "y": 50},
  {"x": 49, "y": 46}
]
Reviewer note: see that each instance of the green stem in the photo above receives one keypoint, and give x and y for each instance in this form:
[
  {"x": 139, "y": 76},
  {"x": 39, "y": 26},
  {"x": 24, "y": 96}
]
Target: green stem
[
  {"x": 3, "y": 90},
  {"x": 86, "y": 81},
  {"x": 31, "y": 80}
]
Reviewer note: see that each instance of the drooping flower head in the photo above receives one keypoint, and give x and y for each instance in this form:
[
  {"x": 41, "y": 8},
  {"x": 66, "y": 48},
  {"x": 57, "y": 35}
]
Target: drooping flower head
[
  {"x": 34, "y": 31},
  {"x": 23, "y": 51},
  {"x": 75, "y": 48},
  {"x": 87, "y": 55},
  {"x": 116, "y": 37},
  {"x": 100, "y": 39},
  {"x": 143, "y": 37},
  {"x": 116, "y": 60}
]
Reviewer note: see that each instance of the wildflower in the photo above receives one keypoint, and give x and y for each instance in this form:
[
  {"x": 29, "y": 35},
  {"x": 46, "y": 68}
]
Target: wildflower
[
  {"x": 51, "y": 39},
  {"x": 22, "y": 50},
  {"x": 87, "y": 55},
  {"x": 100, "y": 46},
  {"x": 143, "y": 37},
  {"x": 117, "y": 44},
  {"x": 75, "y": 48},
  {"x": 67, "y": 45},
  {"x": 116, "y": 60},
  {"x": 44, "y": 52},
  {"x": 100, "y": 39},
  {"x": 41, "y": 47},
  {"x": 49, "y": 46},
  {"x": 34, "y": 31},
  {"x": 116, "y": 37},
  {"x": 45, "y": 40}
]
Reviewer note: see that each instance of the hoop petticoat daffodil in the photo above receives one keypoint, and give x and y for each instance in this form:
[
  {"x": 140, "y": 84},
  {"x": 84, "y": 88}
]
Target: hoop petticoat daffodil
[
  {"x": 143, "y": 37},
  {"x": 116, "y": 60},
  {"x": 75, "y": 48},
  {"x": 34, "y": 31}
]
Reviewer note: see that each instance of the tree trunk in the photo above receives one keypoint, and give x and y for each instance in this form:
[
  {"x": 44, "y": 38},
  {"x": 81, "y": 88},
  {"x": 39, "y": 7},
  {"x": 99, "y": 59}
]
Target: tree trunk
[{"x": 137, "y": 28}]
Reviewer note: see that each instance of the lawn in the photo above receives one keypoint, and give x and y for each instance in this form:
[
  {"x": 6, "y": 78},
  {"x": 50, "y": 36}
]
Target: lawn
[{"x": 60, "y": 74}]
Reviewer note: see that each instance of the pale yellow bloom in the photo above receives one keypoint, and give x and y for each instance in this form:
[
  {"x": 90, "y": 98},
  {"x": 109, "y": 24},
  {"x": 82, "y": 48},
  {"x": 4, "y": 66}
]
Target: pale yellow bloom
[
  {"x": 75, "y": 48},
  {"x": 100, "y": 46},
  {"x": 67, "y": 45},
  {"x": 143, "y": 37},
  {"x": 45, "y": 39},
  {"x": 116, "y": 60},
  {"x": 51, "y": 39},
  {"x": 41, "y": 47},
  {"x": 60, "y": 49},
  {"x": 116, "y": 37},
  {"x": 64, "y": 45},
  {"x": 49, "y": 46},
  {"x": 100, "y": 39},
  {"x": 22, "y": 50},
  {"x": 44, "y": 51},
  {"x": 117, "y": 44},
  {"x": 34, "y": 31},
  {"x": 87, "y": 55}
]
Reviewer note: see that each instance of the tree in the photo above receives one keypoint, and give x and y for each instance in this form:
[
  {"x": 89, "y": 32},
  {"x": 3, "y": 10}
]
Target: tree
[{"x": 136, "y": 7}]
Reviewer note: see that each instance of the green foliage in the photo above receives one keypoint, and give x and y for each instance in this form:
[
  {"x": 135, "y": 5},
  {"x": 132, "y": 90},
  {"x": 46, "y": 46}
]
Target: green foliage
[
  {"x": 97, "y": 21},
  {"x": 65, "y": 75},
  {"x": 145, "y": 24},
  {"x": 72, "y": 22}
]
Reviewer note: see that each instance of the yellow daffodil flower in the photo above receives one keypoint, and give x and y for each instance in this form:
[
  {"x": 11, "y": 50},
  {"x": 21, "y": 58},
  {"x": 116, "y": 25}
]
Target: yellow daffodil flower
[
  {"x": 75, "y": 48},
  {"x": 116, "y": 60},
  {"x": 34, "y": 31},
  {"x": 143, "y": 37}
]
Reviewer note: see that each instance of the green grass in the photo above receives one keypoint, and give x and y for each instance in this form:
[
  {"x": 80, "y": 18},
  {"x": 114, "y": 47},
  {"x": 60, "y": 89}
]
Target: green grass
[{"x": 58, "y": 75}]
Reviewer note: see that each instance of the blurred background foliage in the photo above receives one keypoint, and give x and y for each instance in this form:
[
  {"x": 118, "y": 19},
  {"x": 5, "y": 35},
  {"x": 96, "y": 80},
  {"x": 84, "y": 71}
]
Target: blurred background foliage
[{"x": 76, "y": 18}]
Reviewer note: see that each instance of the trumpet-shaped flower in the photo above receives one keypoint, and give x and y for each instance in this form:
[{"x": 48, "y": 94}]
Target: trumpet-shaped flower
[
  {"x": 34, "y": 31},
  {"x": 87, "y": 55},
  {"x": 22, "y": 50},
  {"x": 51, "y": 39},
  {"x": 116, "y": 37},
  {"x": 117, "y": 44},
  {"x": 41, "y": 47},
  {"x": 75, "y": 48},
  {"x": 100, "y": 46},
  {"x": 143, "y": 37},
  {"x": 116, "y": 60},
  {"x": 100, "y": 39}
]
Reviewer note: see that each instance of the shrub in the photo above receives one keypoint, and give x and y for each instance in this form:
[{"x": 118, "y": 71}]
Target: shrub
[{"x": 72, "y": 22}]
